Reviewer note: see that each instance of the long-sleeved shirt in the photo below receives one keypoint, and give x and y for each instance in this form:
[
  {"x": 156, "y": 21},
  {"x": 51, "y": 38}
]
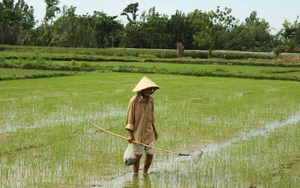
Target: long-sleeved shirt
[{"x": 140, "y": 119}]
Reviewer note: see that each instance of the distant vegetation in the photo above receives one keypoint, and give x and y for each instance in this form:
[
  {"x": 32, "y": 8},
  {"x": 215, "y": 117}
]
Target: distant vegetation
[
  {"x": 223, "y": 64},
  {"x": 198, "y": 30}
]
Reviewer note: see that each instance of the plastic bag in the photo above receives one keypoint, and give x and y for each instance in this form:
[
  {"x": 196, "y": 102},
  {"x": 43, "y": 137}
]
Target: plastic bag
[{"x": 129, "y": 156}]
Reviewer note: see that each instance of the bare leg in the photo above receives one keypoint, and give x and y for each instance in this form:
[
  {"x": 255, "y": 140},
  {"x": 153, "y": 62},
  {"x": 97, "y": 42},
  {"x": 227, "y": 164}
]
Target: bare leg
[
  {"x": 136, "y": 165},
  {"x": 148, "y": 162}
]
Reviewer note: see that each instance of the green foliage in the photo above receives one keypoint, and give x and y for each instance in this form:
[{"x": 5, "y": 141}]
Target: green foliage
[
  {"x": 132, "y": 10},
  {"x": 97, "y": 54},
  {"x": 2, "y": 48},
  {"x": 212, "y": 28},
  {"x": 143, "y": 56},
  {"x": 51, "y": 9},
  {"x": 280, "y": 49},
  {"x": 180, "y": 30},
  {"x": 12, "y": 74},
  {"x": 71, "y": 30},
  {"x": 290, "y": 36},
  {"x": 15, "y": 17},
  {"x": 210, "y": 31},
  {"x": 250, "y": 68}
]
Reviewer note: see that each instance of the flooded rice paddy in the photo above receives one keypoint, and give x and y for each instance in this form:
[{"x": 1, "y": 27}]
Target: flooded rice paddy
[
  {"x": 191, "y": 171},
  {"x": 248, "y": 130}
]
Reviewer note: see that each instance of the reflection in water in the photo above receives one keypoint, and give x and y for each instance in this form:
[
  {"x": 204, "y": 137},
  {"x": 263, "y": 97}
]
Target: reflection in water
[{"x": 138, "y": 181}]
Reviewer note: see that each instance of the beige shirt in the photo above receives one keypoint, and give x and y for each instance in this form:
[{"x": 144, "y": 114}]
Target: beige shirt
[{"x": 140, "y": 119}]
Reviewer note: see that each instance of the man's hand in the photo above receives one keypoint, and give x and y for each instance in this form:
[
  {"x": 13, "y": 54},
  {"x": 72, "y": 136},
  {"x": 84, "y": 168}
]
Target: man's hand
[
  {"x": 130, "y": 138},
  {"x": 156, "y": 135}
]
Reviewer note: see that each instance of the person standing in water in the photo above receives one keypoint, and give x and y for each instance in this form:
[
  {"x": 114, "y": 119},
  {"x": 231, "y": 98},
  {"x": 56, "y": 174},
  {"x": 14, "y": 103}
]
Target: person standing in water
[{"x": 140, "y": 122}]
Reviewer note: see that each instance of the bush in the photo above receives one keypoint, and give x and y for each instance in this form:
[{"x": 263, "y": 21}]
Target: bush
[
  {"x": 280, "y": 49},
  {"x": 146, "y": 56},
  {"x": 2, "y": 48}
]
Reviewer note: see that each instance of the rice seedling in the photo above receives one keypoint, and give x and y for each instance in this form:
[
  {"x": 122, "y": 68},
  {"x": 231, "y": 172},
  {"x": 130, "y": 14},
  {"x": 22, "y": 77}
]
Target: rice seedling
[{"x": 48, "y": 142}]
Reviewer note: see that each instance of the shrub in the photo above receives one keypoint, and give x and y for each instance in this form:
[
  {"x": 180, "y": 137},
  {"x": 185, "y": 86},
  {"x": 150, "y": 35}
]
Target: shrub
[
  {"x": 280, "y": 49},
  {"x": 2, "y": 48},
  {"x": 146, "y": 56}
]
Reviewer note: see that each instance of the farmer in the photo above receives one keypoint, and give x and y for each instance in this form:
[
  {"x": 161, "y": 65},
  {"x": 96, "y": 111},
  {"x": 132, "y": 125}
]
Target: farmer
[{"x": 140, "y": 122}]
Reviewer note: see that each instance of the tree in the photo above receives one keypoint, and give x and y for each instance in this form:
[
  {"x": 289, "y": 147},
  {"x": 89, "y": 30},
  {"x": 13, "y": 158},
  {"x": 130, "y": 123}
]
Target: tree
[
  {"x": 252, "y": 35},
  {"x": 51, "y": 10},
  {"x": 200, "y": 23},
  {"x": 64, "y": 28},
  {"x": 105, "y": 28},
  {"x": 290, "y": 35},
  {"x": 223, "y": 24},
  {"x": 26, "y": 14},
  {"x": 14, "y": 18},
  {"x": 97, "y": 30},
  {"x": 212, "y": 28},
  {"x": 132, "y": 10},
  {"x": 256, "y": 34},
  {"x": 180, "y": 30},
  {"x": 235, "y": 39},
  {"x": 154, "y": 29},
  {"x": 132, "y": 34}
]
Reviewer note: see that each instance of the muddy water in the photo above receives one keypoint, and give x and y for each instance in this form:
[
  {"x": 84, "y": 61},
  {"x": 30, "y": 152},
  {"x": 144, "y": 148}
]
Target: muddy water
[{"x": 174, "y": 171}]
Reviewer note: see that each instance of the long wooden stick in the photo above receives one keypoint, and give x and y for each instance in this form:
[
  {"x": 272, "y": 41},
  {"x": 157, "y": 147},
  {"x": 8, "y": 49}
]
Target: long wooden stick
[{"x": 180, "y": 154}]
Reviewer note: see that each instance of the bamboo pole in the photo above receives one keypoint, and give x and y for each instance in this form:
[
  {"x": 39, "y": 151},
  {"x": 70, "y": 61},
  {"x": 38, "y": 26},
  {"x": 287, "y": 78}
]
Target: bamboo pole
[{"x": 116, "y": 135}]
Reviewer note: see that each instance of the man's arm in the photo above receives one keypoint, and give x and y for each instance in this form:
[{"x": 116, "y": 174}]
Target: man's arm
[
  {"x": 155, "y": 132},
  {"x": 130, "y": 136}
]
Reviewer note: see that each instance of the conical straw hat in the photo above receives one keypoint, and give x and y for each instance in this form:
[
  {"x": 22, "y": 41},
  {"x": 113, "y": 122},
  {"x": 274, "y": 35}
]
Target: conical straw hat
[{"x": 145, "y": 83}]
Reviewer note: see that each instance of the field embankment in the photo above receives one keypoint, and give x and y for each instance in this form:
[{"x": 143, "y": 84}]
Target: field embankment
[{"x": 237, "y": 64}]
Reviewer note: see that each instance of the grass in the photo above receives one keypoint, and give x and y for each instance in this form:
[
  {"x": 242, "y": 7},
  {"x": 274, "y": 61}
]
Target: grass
[
  {"x": 236, "y": 65},
  {"x": 269, "y": 160},
  {"x": 46, "y": 139},
  {"x": 214, "y": 70},
  {"x": 11, "y": 74},
  {"x": 134, "y": 52},
  {"x": 33, "y": 53}
]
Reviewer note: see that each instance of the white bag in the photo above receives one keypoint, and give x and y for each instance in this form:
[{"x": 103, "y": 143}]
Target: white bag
[{"x": 129, "y": 156}]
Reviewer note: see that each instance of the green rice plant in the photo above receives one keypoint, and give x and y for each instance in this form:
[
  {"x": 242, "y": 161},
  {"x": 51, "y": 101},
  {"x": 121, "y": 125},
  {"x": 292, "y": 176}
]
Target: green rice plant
[
  {"x": 11, "y": 74},
  {"x": 162, "y": 53},
  {"x": 134, "y": 55},
  {"x": 48, "y": 142},
  {"x": 252, "y": 72},
  {"x": 269, "y": 160}
]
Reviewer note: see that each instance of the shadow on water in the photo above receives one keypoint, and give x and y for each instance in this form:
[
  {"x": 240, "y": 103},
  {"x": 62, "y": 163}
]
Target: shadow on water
[{"x": 175, "y": 171}]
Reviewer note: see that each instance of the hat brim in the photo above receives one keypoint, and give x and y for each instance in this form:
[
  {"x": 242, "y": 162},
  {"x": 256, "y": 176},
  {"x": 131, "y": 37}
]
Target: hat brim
[{"x": 145, "y": 83}]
